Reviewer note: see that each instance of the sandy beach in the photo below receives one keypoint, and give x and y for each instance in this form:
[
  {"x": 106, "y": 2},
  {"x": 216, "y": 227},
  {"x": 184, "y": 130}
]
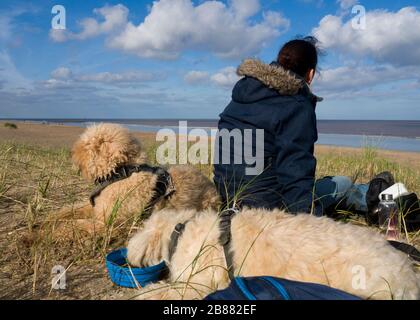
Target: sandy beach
[{"x": 52, "y": 135}]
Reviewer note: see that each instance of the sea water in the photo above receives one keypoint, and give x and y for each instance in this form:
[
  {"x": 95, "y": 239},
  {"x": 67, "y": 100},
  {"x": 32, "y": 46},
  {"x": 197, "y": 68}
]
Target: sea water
[{"x": 387, "y": 135}]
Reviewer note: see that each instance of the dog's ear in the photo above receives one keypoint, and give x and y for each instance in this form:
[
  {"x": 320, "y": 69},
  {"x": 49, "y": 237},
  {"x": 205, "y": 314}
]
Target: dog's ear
[
  {"x": 80, "y": 158},
  {"x": 104, "y": 147},
  {"x": 145, "y": 248}
]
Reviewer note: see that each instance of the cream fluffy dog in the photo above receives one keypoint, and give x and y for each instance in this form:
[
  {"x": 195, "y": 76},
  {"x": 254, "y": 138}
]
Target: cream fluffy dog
[
  {"x": 104, "y": 148},
  {"x": 303, "y": 248}
]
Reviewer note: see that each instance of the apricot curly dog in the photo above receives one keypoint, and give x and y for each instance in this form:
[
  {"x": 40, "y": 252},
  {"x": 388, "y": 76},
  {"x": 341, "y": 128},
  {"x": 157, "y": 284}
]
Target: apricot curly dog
[
  {"x": 271, "y": 243},
  {"x": 127, "y": 186}
]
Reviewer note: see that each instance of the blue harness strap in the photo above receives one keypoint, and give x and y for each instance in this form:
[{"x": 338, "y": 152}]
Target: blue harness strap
[
  {"x": 242, "y": 286},
  {"x": 278, "y": 286}
]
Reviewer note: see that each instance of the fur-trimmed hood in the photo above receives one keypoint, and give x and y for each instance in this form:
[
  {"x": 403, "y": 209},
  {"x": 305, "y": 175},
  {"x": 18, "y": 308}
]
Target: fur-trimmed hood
[{"x": 275, "y": 77}]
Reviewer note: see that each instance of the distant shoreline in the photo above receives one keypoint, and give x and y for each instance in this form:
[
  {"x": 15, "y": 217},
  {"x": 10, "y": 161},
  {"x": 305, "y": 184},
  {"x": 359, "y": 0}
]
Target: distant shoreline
[{"x": 375, "y": 128}]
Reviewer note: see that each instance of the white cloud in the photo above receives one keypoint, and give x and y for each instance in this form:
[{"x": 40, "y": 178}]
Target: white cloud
[
  {"x": 174, "y": 26},
  {"x": 114, "y": 17},
  {"x": 389, "y": 37},
  {"x": 226, "y": 77},
  {"x": 353, "y": 78},
  {"x": 64, "y": 77},
  {"x": 177, "y": 25},
  {"x": 59, "y": 35},
  {"x": 10, "y": 76},
  {"x": 245, "y": 9},
  {"x": 5, "y": 27},
  {"x": 54, "y": 83},
  {"x": 347, "y": 4},
  {"x": 344, "y": 80},
  {"x": 196, "y": 77},
  {"x": 108, "y": 77},
  {"x": 61, "y": 73},
  {"x": 7, "y": 21}
]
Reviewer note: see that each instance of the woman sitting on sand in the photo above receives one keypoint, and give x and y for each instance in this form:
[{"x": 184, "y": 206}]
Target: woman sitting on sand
[{"x": 277, "y": 98}]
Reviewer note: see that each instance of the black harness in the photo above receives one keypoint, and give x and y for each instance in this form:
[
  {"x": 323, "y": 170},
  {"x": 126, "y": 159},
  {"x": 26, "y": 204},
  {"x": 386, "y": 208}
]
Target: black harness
[
  {"x": 225, "y": 237},
  {"x": 164, "y": 186}
]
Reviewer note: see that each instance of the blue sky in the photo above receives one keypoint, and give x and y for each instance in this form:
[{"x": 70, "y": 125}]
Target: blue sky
[{"x": 177, "y": 58}]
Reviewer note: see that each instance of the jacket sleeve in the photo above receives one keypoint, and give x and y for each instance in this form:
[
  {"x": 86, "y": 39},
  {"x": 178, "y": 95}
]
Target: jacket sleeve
[{"x": 296, "y": 134}]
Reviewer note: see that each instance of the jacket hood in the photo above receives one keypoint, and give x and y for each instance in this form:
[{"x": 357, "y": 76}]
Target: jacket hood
[{"x": 274, "y": 77}]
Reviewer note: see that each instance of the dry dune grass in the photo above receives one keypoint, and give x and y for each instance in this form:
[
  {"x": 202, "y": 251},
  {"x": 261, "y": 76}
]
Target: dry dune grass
[{"x": 37, "y": 178}]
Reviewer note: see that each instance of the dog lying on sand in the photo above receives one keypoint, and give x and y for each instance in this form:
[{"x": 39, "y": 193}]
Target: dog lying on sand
[
  {"x": 127, "y": 186},
  {"x": 302, "y": 248}
]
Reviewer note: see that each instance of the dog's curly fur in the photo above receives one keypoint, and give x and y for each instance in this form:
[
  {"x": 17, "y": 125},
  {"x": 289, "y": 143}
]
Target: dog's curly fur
[
  {"x": 101, "y": 149},
  {"x": 303, "y": 248}
]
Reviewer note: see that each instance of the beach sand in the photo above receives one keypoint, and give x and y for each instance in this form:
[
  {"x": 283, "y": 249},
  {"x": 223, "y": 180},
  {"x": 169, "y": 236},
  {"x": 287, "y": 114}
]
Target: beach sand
[{"x": 53, "y": 135}]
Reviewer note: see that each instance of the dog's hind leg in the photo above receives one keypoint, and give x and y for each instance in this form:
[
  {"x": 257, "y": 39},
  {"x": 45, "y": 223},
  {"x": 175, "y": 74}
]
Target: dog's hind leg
[
  {"x": 81, "y": 210},
  {"x": 72, "y": 222}
]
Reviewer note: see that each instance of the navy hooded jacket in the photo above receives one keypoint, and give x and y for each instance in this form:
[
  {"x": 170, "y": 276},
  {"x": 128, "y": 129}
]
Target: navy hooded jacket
[{"x": 278, "y": 101}]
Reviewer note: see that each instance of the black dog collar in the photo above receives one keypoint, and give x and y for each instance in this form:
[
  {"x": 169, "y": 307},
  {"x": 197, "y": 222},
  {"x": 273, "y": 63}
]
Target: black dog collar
[{"x": 164, "y": 187}]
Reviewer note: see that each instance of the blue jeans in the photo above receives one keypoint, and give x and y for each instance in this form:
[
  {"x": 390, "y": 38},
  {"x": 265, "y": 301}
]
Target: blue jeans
[{"x": 332, "y": 191}]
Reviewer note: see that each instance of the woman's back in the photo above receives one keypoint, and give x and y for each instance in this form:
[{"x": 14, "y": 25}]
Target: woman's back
[{"x": 279, "y": 102}]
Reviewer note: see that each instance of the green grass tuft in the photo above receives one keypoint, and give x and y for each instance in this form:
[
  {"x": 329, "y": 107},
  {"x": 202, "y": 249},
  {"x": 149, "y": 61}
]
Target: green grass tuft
[{"x": 10, "y": 125}]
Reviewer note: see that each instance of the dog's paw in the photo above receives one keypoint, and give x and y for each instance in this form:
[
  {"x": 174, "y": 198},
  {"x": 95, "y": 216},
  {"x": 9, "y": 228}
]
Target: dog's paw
[
  {"x": 136, "y": 249},
  {"x": 145, "y": 248}
]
